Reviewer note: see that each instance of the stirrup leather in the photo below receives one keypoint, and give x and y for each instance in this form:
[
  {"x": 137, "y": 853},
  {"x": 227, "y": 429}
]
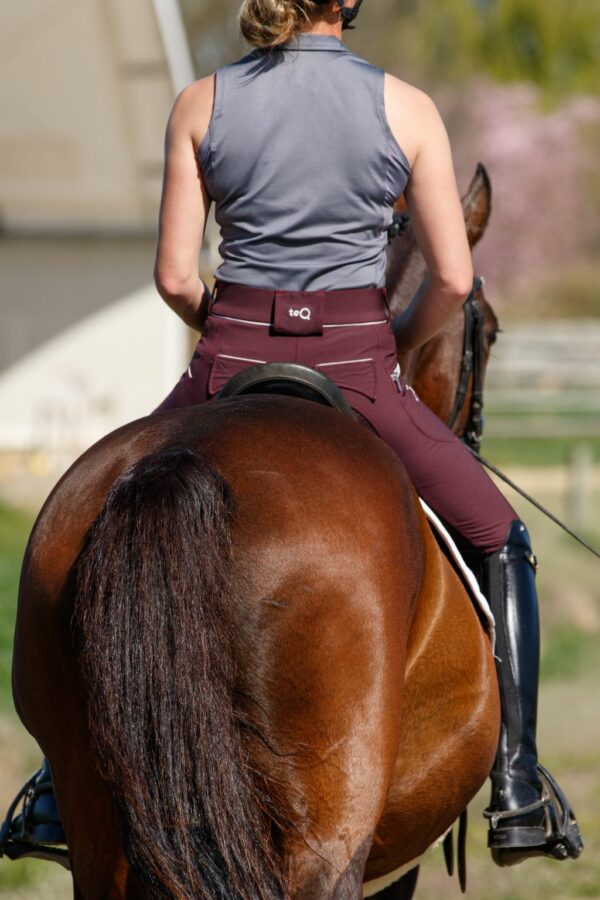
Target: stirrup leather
[
  {"x": 558, "y": 838},
  {"x": 21, "y": 837}
]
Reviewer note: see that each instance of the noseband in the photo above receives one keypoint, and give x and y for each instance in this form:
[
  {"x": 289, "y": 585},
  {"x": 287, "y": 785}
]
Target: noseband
[{"x": 473, "y": 355}]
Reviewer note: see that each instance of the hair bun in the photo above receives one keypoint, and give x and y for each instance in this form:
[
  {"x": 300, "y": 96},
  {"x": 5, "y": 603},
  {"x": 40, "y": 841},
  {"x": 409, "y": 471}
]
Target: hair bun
[{"x": 269, "y": 23}]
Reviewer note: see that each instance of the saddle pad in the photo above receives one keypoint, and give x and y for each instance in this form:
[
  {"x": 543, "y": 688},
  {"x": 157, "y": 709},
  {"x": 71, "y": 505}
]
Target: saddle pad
[{"x": 477, "y": 597}]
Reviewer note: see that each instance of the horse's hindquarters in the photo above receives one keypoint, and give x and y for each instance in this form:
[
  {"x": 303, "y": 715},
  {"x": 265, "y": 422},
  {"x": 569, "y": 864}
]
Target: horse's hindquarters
[
  {"x": 320, "y": 606},
  {"x": 450, "y": 721},
  {"x": 326, "y": 609}
]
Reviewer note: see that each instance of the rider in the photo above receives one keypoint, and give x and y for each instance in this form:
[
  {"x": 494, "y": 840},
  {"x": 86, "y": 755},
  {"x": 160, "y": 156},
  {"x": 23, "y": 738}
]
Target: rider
[{"x": 304, "y": 147}]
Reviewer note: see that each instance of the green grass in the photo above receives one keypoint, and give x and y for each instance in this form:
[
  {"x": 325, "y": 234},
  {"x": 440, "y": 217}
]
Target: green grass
[
  {"x": 531, "y": 408},
  {"x": 570, "y": 653},
  {"x": 535, "y": 451},
  {"x": 20, "y": 874},
  {"x": 15, "y": 527}
]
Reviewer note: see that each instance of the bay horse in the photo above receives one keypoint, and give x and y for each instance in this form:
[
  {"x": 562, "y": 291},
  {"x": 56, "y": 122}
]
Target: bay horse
[
  {"x": 433, "y": 369},
  {"x": 252, "y": 668}
]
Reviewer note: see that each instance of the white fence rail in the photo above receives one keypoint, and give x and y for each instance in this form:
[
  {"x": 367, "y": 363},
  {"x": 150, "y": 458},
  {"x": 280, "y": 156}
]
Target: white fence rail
[{"x": 544, "y": 380}]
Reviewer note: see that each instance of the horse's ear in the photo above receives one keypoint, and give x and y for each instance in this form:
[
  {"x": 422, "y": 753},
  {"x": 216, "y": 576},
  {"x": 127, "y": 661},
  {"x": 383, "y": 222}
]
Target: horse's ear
[{"x": 477, "y": 205}]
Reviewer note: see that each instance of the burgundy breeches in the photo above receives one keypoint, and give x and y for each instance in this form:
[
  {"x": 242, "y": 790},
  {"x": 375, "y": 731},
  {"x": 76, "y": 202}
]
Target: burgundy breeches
[{"x": 347, "y": 336}]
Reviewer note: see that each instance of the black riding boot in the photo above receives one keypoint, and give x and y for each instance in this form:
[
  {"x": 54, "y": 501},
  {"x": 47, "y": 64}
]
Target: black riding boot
[
  {"x": 529, "y": 814},
  {"x": 37, "y": 829}
]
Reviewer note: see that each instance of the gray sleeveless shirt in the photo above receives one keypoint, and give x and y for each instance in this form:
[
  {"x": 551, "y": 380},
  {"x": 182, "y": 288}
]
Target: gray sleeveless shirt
[{"x": 303, "y": 168}]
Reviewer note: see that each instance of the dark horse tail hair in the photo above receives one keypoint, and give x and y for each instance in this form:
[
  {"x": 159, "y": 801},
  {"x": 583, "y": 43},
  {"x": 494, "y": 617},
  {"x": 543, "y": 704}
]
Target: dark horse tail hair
[{"x": 152, "y": 627}]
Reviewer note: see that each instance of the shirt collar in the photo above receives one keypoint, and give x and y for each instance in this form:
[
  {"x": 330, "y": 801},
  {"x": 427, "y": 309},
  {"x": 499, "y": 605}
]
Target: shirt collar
[{"x": 308, "y": 41}]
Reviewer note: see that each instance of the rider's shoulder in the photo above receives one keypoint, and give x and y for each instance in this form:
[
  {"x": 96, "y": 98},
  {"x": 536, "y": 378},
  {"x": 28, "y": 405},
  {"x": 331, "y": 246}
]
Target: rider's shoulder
[
  {"x": 195, "y": 94},
  {"x": 413, "y": 116},
  {"x": 192, "y": 109},
  {"x": 401, "y": 93}
]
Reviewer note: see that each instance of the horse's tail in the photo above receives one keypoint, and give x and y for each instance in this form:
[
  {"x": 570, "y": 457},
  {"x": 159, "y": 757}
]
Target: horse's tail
[{"x": 152, "y": 623}]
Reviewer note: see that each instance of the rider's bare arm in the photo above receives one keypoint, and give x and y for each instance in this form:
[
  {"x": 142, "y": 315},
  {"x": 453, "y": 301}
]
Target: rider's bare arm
[
  {"x": 184, "y": 206},
  {"x": 436, "y": 213}
]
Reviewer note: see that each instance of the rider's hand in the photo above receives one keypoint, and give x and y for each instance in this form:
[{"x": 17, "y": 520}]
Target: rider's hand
[{"x": 204, "y": 308}]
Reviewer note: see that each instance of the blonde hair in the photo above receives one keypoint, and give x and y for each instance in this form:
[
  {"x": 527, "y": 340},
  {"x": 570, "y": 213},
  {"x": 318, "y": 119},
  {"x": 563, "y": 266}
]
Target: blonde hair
[{"x": 269, "y": 23}]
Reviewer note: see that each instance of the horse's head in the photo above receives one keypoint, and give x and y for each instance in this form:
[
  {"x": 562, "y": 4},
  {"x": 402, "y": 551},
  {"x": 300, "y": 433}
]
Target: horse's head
[{"x": 435, "y": 369}]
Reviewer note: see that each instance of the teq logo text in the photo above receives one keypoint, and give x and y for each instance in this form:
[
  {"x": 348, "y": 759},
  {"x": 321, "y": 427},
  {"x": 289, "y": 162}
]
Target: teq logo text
[{"x": 305, "y": 314}]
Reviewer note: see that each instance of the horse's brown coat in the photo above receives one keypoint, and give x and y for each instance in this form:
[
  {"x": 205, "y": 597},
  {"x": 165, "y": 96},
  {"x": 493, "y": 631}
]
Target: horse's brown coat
[
  {"x": 332, "y": 553},
  {"x": 361, "y": 659}
]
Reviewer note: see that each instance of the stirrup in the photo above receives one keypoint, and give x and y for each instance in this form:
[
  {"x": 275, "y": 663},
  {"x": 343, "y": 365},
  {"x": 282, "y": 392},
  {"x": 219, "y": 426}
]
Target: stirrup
[
  {"x": 21, "y": 837},
  {"x": 559, "y": 837}
]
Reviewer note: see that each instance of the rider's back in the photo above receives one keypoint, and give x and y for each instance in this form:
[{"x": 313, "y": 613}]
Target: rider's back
[{"x": 306, "y": 123}]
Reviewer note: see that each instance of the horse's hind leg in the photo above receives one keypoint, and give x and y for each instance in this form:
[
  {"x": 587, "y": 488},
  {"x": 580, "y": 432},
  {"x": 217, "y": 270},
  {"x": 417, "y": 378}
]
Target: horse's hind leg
[
  {"x": 349, "y": 885},
  {"x": 344, "y": 714},
  {"x": 346, "y": 738},
  {"x": 314, "y": 878},
  {"x": 99, "y": 868},
  {"x": 403, "y": 889}
]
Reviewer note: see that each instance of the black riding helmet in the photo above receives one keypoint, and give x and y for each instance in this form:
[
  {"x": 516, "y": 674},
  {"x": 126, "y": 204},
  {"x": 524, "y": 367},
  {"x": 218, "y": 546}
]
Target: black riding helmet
[{"x": 348, "y": 14}]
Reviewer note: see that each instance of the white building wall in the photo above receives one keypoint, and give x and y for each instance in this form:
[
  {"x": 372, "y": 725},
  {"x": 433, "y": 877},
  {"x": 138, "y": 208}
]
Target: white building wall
[
  {"x": 86, "y": 87},
  {"x": 85, "y": 91},
  {"x": 101, "y": 373}
]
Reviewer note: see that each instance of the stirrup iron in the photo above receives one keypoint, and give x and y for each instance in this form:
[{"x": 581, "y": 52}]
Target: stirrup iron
[
  {"x": 21, "y": 837},
  {"x": 559, "y": 838}
]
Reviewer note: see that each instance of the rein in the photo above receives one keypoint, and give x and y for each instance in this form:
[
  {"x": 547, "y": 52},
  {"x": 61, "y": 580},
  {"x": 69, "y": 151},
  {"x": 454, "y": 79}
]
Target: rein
[
  {"x": 472, "y": 364},
  {"x": 536, "y": 503}
]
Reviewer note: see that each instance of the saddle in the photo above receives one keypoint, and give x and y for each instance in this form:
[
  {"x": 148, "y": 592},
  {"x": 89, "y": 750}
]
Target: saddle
[{"x": 289, "y": 380}]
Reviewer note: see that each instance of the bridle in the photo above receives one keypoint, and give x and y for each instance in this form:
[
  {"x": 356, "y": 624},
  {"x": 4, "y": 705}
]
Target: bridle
[{"x": 473, "y": 355}]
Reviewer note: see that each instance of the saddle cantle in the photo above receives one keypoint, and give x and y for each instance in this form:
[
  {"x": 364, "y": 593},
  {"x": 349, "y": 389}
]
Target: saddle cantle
[{"x": 289, "y": 380}]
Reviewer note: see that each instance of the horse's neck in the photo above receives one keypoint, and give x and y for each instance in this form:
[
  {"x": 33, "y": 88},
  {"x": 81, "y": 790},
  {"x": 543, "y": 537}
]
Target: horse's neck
[
  {"x": 432, "y": 369},
  {"x": 406, "y": 271}
]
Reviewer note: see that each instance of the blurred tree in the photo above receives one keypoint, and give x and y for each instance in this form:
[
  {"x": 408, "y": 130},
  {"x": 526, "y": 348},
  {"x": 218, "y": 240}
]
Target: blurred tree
[
  {"x": 554, "y": 43},
  {"x": 550, "y": 42}
]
